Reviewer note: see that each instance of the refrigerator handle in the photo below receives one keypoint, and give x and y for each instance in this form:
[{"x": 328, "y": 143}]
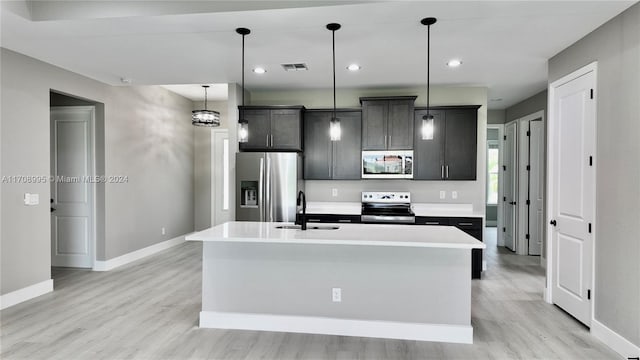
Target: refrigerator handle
[
  {"x": 261, "y": 190},
  {"x": 269, "y": 212}
]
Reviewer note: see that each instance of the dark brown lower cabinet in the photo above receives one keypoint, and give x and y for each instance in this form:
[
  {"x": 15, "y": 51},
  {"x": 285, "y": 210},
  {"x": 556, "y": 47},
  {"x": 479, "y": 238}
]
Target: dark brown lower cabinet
[{"x": 470, "y": 225}]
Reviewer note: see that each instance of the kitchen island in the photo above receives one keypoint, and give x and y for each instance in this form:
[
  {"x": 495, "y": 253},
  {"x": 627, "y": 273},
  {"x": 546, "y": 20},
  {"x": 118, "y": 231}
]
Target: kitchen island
[{"x": 410, "y": 282}]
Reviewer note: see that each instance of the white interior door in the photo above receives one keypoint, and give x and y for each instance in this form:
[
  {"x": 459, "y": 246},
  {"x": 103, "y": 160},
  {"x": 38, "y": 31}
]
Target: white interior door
[
  {"x": 72, "y": 187},
  {"x": 536, "y": 187},
  {"x": 220, "y": 177},
  {"x": 522, "y": 181},
  {"x": 510, "y": 186},
  {"x": 572, "y": 185}
]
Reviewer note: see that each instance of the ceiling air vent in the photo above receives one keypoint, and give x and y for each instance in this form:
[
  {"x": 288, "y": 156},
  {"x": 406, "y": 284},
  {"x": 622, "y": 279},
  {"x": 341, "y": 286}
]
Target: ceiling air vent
[{"x": 295, "y": 67}]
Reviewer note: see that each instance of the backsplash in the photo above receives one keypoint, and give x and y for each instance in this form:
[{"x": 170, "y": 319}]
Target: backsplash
[{"x": 421, "y": 191}]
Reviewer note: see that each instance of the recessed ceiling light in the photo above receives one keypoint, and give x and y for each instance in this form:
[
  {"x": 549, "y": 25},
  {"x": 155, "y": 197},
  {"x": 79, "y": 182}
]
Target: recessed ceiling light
[
  {"x": 454, "y": 63},
  {"x": 259, "y": 70},
  {"x": 353, "y": 67},
  {"x": 496, "y": 99}
]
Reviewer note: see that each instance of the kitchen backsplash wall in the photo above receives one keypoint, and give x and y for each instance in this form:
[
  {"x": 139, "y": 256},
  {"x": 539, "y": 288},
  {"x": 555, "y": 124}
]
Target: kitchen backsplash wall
[{"x": 468, "y": 192}]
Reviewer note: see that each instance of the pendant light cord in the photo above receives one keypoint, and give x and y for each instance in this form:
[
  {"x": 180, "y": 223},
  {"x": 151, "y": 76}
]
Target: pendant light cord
[
  {"x": 333, "y": 36},
  {"x": 243, "y": 69},
  {"x": 428, "y": 66}
]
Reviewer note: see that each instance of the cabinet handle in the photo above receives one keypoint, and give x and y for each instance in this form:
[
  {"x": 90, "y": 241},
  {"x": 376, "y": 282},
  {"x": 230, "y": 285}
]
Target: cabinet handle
[
  {"x": 313, "y": 220},
  {"x": 271, "y": 140},
  {"x": 267, "y": 140},
  {"x": 389, "y": 140},
  {"x": 465, "y": 224},
  {"x": 344, "y": 220},
  {"x": 432, "y": 223},
  {"x": 447, "y": 171},
  {"x": 442, "y": 172}
]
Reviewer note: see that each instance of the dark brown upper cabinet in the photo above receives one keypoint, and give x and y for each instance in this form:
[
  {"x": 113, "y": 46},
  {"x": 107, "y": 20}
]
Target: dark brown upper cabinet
[
  {"x": 387, "y": 122},
  {"x": 273, "y": 128},
  {"x": 452, "y": 153}
]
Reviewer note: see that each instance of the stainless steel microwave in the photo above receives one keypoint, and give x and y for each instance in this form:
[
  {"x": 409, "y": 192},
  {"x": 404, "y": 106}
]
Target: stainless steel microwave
[{"x": 387, "y": 164}]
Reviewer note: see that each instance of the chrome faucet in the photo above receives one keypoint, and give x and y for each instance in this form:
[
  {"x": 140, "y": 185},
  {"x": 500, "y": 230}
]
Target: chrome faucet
[{"x": 302, "y": 200}]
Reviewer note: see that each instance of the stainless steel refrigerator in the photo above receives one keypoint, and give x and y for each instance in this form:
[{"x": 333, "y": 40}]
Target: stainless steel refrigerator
[{"x": 267, "y": 185}]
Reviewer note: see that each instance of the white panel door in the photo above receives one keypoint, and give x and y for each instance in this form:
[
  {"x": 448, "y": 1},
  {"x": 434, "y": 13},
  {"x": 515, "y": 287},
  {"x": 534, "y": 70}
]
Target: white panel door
[
  {"x": 536, "y": 186},
  {"x": 220, "y": 177},
  {"x": 71, "y": 188},
  {"x": 522, "y": 181},
  {"x": 510, "y": 185},
  {"x": 572, "y": 182}
]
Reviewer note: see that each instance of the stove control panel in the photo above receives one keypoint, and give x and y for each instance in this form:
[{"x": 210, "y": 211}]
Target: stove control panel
[{"x": 386, "y": 197}]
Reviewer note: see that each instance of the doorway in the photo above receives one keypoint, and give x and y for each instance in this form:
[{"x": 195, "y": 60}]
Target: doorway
[
  {"x": 571, "y": 182},
  {"x": 220, "y": 177},
  {"x": 494, "y": 178},
  {"x": 73, "y": 236}
]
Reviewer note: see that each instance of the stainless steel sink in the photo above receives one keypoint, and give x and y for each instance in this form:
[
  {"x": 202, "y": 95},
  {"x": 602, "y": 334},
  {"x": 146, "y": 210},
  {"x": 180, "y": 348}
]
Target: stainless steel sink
[{"x": 309, "y": 227}]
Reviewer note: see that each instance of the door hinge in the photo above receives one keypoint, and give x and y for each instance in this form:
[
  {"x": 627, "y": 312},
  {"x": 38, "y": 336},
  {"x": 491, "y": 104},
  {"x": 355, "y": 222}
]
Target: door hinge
[
  {"x": 528, "y": 133},
  {"x": 526, "y": 236},
  {"x": 590, "y": 160},
  {"x": 505, "y": 137},
  {"x": 589, "y": 294},
  {"x": 589, "y": 228},
  {"x": 528, "y": 168},
  {"x": 504, "y": 229},
  {"x": 591, "y": 94},
  {"x": 528, "y": 202},
  {"x": 504, "y": 198},
  {"x": 504, "y": 167}
]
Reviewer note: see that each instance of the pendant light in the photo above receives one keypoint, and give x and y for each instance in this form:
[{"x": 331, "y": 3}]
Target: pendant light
[
  {"x": 334, "y": 125},
  {"x": 427, "y": 120},
  {"x": 243, "y": 124},
  {"x": 208, "y": 118}
]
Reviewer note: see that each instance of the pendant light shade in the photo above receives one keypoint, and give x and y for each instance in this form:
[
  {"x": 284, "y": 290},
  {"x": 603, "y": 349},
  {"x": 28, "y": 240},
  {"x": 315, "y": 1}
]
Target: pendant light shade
[
  {"x": 207, "y": 118},
  {"x": 427, "y": 120},
  {"x": 243, "y": 124},
  {"x": 335, "y": 132}
]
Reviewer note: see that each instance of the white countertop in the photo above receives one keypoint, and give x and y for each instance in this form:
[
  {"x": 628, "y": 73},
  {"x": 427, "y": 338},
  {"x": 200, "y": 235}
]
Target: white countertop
[
  {"x": 348, "y": 234},
  {"x": 420, "y": 209}
]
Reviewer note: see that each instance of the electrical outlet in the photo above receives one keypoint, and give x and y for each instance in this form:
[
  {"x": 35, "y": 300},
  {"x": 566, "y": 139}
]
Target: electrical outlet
[
  {"x": 336, "y": 294},
  {"x": 334, "y": 192},
  {"x": 164, "y": 231},
  {"x": 443, "y": 194},
  {"x": 454, "y": 194}
]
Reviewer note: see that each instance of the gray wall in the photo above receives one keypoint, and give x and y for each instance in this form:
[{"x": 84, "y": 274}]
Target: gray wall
[
  {"x": 471, "y": 192},
  {"x": 616, "y": 47},
  {"x": 528, "y": 106},
  {"x": 147, "y": 136},
  {"x": 496, "y": 116}
]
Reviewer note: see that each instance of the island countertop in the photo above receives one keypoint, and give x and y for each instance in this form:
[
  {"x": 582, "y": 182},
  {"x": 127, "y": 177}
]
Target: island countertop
[{"x": 444, "y": 237}]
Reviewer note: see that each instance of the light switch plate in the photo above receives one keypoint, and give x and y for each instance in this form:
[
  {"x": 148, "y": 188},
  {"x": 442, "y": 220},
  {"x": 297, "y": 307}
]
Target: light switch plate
[
  {"x": 443, "y": 194},
  {"x": 454, "y": 194},
  {"x": 334, "y": 192},
  {"x": 31, "y": 199}
]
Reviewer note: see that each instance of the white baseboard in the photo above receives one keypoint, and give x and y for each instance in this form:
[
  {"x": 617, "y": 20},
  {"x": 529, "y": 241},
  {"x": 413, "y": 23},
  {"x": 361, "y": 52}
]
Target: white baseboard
[
  {"x": 137, "y": 255},
  {"x": 333, "y": 326},
  {"x": 24, "y": 294},
  {"x": 614, "y": 340}
]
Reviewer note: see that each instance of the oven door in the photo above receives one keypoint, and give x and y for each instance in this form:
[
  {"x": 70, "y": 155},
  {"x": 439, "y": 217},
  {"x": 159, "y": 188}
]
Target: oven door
[{"x": 387, "y": 164}]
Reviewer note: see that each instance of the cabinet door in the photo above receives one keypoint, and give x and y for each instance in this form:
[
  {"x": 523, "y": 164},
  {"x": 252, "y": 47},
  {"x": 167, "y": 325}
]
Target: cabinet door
[
  {"x": 286, "y": 129},
  {"x": 374, "y": 125},
  {"x": 400, "y": 125},
  {"x": 346, "y": 152},
  {"x": 259, "y": 129},
  {"x": 461, "y": 144},
  {"x": 317, "y": 146},
  {"x": 429, "y": 154}
]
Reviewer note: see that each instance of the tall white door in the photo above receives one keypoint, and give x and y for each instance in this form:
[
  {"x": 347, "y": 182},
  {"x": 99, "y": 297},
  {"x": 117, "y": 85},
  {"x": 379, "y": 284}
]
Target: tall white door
[
  {"x": 220, "y": 177},
  {"x": 510, "y": 185},
  {"x": 572, "y": 189},
  {"x": 536, "y": 186},
  {"x": 72, "y": 186}
]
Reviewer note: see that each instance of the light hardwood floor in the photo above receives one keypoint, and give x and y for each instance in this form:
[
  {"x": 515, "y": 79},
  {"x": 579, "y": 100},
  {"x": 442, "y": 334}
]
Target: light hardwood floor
[{"x": 149, "y": 310}]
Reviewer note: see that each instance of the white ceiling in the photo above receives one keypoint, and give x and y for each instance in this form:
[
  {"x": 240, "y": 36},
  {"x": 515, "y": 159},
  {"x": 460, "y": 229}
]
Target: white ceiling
[{"x": 504, "y": 45}]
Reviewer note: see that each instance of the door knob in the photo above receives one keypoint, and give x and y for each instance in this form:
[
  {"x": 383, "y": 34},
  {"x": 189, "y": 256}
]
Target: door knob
[{"x": 553, "y": 222}]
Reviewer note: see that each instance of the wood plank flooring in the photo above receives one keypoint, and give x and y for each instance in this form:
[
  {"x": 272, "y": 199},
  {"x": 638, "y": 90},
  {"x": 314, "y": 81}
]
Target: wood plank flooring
[{"x": 149, "y": 310}]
